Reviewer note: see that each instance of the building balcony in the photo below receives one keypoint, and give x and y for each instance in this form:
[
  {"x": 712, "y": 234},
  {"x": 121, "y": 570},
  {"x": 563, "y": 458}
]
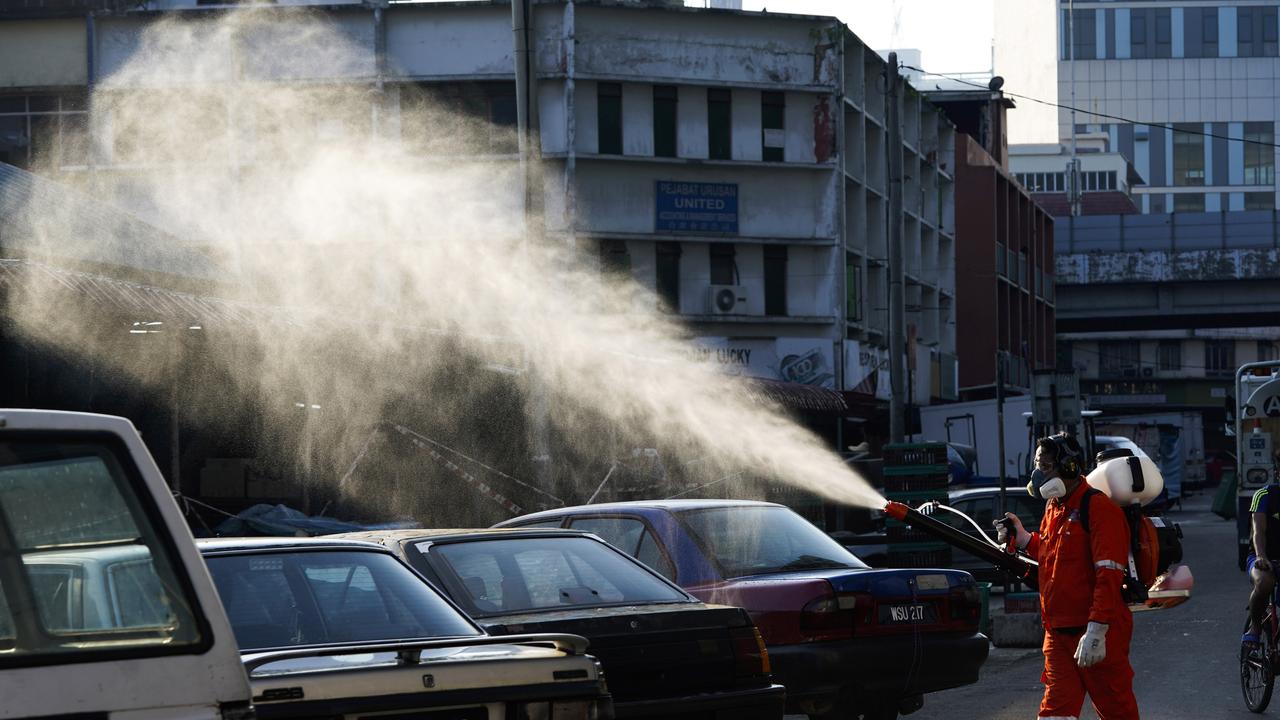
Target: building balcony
[
  {"x": 705, "y": 318},
  {"x": 62, "y": 8}
]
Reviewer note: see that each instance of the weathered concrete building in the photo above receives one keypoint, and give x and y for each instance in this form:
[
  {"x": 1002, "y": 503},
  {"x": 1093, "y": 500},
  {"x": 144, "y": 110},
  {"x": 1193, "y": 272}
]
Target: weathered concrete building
[{"x": 735, "y": 163}]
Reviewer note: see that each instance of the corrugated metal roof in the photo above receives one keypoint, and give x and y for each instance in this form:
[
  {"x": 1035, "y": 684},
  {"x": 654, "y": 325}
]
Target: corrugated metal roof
[
  {"x": 39, "y": 215},
  {"x": 801, "y": 397},
  {"x": 143, "y": 302}
]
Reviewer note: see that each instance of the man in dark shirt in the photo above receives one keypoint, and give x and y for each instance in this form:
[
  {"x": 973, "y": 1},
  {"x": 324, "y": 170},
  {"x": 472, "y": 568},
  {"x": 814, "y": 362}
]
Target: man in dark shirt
[{"x": 1264, "y": 513}]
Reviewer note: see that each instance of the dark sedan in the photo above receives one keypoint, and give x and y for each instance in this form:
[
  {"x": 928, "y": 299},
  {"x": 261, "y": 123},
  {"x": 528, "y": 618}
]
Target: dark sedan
[
  {"x": 665, "y": 653},
  {"x": 846, "y": 640},
  {"x": 342, "y": 629}
]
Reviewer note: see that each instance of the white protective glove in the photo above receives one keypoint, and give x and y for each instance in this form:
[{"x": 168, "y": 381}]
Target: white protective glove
[
  {"x": 1021, "y": 536},
  {"x": 1093, "y": 645}
]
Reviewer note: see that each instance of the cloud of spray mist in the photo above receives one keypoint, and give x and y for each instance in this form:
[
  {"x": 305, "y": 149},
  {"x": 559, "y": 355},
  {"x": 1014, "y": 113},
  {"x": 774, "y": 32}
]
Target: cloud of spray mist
[{"x": 407, "y": 278}]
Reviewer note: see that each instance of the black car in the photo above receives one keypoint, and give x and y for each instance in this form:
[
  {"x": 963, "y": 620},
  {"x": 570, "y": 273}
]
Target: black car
[
  {"x": 665, "y": 653},
  {"x": 333, "y": 628}
]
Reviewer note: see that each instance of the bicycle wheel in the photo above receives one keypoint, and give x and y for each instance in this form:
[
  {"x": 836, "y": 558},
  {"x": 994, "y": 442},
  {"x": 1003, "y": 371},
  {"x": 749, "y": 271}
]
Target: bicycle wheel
[{"x": 1257, "y": 668}]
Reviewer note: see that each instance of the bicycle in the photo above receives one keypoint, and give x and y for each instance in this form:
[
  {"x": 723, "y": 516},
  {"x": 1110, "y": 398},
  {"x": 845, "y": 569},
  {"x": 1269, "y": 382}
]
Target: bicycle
[{"x": 1258, "y": 665}]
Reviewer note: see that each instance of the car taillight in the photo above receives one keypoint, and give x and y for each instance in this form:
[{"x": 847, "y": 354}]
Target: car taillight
[
  {"x": 966, "y": 603},
  {"x": 236, "y": 711},
  {"x": 834, "y": 616},
  {"x": 750, "y": 657}
]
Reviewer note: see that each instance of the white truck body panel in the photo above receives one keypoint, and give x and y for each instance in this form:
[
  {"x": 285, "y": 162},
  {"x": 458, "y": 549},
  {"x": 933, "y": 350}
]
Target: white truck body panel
[
  {"x": 1142, "y": 429},
  {"x": 163, "y": 686},
  {"x": 984, "y": 435}
]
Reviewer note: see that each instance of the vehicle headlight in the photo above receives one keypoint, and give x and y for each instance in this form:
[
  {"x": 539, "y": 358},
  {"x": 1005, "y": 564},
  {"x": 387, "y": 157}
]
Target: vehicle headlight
[{"x": 558, "y": 710}]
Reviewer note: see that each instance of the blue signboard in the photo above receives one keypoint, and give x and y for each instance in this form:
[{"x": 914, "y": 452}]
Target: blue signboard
[{"x": 697, "y": 207}]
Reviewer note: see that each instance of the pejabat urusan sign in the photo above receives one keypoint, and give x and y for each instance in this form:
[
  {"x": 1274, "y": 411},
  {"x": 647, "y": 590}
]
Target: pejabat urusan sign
[{"x": 696, "y": 207}]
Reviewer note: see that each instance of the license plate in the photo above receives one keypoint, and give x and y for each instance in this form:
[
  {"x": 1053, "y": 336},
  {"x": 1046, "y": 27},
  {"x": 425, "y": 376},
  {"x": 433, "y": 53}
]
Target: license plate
[{"x": 913, "y": 613}]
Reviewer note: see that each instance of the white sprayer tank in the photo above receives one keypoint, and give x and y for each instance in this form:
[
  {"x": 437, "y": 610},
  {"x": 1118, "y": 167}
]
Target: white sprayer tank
[{"x": 1125, "y": 478}]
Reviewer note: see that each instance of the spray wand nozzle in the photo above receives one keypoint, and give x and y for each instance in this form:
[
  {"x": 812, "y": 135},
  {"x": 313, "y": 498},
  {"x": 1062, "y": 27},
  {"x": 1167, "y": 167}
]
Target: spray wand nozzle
[{"x": 1021, "y": 566}]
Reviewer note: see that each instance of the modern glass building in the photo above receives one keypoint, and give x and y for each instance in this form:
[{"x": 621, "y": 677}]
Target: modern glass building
[{"x": 1186, "y": 91}]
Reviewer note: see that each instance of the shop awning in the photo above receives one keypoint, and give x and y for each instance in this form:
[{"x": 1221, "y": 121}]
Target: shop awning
[{"x": 796, "y": 396}]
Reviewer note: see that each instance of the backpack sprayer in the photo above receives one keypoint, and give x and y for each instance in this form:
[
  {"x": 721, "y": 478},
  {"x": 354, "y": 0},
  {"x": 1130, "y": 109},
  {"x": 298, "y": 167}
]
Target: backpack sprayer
[{"x": 1155, "y": 577}]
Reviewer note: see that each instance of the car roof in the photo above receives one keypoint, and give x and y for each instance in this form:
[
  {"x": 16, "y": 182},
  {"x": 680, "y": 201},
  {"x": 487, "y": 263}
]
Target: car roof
[
  {"x": 229, "y": 544},
  {"x": 387, "y": 537},
  {"x": 633, "y": 505},
  {"x": 1013, "y": 491}
]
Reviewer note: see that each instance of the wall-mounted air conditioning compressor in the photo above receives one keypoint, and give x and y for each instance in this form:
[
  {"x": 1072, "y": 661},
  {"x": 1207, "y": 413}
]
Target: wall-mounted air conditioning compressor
[{"x": 726, "y": 300}]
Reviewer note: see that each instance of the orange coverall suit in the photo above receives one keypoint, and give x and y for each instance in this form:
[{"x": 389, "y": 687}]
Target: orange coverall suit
[{"x": 1080, "y": 578}]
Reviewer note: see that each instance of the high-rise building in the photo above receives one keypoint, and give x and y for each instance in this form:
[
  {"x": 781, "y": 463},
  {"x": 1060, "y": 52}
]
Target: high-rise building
[
  {"x": 1185, "y": 91},
  {"x": 1164, "y": 287}
]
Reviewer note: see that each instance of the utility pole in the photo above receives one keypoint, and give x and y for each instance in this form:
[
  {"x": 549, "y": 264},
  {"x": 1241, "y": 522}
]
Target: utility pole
[
  {"x": 1000, "y": 430},
  {"x": 897, "y": 275},
  {"x": 1004, "y": 488},
  {"x": 1073, "y": 168},
  {"x": 531, "y": 175}
]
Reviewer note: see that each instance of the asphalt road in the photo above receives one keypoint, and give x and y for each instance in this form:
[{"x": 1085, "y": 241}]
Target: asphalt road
[{"x": 1185, "y": 658}]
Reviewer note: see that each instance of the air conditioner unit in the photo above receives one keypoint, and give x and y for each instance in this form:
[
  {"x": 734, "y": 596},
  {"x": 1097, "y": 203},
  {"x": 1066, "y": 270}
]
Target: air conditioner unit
[
  {"x": 1148, "y": 372},
  {"x": 726, "y": 299}
]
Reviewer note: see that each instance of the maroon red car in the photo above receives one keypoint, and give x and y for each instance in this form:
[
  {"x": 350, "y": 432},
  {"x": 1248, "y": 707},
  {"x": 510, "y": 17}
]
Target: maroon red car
[{"x": 846, "y": 640}]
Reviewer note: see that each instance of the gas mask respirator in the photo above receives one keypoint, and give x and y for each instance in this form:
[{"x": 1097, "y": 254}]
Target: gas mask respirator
[{"x": 1046, "y": 487}]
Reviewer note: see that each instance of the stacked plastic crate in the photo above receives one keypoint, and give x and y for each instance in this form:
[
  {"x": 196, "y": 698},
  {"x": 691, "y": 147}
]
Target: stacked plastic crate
[{"x": 915, "y": 473}]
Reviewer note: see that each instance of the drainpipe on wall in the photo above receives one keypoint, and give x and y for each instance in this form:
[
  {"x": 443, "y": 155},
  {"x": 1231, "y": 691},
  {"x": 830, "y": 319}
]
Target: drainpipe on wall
[
  {"x": 380, "y": 67},
  {"x": 91, "y": 41},
  {"x": 91, "y": 78},
  {"x": 571, "y": 126},
  {"x": 534, "y": 203},
  {"x": 842, "y": 252}
]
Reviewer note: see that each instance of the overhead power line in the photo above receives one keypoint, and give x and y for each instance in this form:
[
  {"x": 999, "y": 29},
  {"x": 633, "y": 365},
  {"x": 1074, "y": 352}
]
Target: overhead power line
[{"x": 1170, "y": 128}]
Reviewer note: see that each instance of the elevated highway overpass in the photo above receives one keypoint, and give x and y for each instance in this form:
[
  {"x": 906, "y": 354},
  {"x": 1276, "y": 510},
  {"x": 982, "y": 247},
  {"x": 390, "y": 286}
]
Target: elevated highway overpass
[{"x": 1160, "y": 272}]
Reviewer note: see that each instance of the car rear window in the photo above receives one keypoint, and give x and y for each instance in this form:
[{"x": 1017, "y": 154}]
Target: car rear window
[
  {"x": 281, "y": 599},
  {"x": 760, "y": 539},
  {"x": 492, "y": 577}
]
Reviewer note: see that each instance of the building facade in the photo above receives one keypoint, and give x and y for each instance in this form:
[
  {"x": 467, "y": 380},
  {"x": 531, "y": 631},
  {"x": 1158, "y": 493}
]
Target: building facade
[
  {"x": 1190, "y": 88},
  {"x": 1005, "y": 327},
  {"x": 1108, "y": 179},
  {"x": 1176, "y": 110},
  {"x": 733, "y": 163}
]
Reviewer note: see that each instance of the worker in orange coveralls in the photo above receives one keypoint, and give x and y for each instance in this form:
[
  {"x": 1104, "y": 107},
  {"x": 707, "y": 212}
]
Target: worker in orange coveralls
[{"x": 1087, "y": 623}]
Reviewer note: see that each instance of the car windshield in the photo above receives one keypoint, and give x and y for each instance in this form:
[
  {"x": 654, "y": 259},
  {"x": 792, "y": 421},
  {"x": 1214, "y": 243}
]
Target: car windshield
[
  {"x": 490, "y": 577},
  {"x": 281, "y": 599},
  {"x": 759, "y": 539}
]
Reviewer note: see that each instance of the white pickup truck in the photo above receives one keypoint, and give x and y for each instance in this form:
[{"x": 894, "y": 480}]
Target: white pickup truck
[
  {"x": 108, "y": 611},
  {"x": 75, "y": 489}
]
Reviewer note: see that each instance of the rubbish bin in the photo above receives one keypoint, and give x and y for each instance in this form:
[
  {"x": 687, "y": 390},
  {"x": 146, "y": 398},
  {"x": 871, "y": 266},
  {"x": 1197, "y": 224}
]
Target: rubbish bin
[{"x": 984, "y": 620}]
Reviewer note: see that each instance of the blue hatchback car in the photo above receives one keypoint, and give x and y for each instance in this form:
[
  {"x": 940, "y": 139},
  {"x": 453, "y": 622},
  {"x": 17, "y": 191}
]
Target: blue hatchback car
[{"x": 845, "y": 639}]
